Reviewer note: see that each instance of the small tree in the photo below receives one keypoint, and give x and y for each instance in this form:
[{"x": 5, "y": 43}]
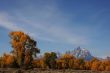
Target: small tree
[
  {"x": 50, "y": 59},
  {"x": 67, "y": 61}
]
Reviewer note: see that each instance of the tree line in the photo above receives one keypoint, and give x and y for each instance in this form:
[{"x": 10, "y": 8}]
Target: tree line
[{"x": 24, "y": 53}]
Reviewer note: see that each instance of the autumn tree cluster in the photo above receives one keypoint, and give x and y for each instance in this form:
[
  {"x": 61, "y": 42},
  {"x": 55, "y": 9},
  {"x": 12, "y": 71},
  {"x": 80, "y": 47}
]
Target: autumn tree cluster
[
  {"x": 24, "y": 53},
  {"x": 68, "y": 61},
  {"x": 24, "y": 48}
]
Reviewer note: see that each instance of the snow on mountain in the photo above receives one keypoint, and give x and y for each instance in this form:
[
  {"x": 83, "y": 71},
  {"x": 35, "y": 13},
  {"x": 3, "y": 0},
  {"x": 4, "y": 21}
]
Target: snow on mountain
[{"x": 82, "y": 53}]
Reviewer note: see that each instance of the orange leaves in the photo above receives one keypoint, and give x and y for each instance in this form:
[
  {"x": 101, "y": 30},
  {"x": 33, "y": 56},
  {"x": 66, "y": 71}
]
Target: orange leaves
[
  {"x": 101, "y": 67},
  {"x": 66, "y": 61},
  {"x": 107, "y": 68},
  {"x": 95, "y": 65},
  {"x": 18, "y": 39},
  {"x": 42, "y": 63},
  {"x": 88, "y": 65},
  {"x": 39, "y": 63},
  {"x": 59, "y": 64},
  {"x": 107, "y": 65},
  {"x": 23, "y": 47},
  {"x": 67, "y": 56},
  {"x": 8, "y": 59}
]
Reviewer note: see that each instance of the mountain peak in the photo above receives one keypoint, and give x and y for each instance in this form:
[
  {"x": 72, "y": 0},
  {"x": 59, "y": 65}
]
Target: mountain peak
[{"x": 82, "y": 53}]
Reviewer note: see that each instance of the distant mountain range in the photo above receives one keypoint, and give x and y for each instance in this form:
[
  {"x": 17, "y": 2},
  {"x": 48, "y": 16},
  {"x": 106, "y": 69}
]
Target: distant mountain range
[{"x": 82, "y": 53}]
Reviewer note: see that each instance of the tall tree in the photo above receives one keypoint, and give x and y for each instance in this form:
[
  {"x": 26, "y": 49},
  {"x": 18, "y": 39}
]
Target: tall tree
[{"x": 24, "y": 47}]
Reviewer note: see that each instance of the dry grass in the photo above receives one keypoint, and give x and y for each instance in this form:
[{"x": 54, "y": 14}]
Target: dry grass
[{"x": 12, "y": 70}]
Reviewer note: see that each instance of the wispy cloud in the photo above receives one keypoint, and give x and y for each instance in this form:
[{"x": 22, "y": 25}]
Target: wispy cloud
[
  {"x": 4, "y": 22},
  {"x": 45, "y": 24}
]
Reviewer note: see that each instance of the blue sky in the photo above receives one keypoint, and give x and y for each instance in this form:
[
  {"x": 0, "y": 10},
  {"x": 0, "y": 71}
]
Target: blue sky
[{"x": 58, "y": 25}]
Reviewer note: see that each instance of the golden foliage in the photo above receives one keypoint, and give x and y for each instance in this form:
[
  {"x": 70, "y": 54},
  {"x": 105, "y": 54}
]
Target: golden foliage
[
  {"x": 23, "y": 47},
  {"x": 8, "y": 60}
]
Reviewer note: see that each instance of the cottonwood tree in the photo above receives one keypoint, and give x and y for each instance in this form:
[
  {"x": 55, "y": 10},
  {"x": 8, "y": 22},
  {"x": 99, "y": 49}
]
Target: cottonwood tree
[{"x": 24, "y": 48}]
